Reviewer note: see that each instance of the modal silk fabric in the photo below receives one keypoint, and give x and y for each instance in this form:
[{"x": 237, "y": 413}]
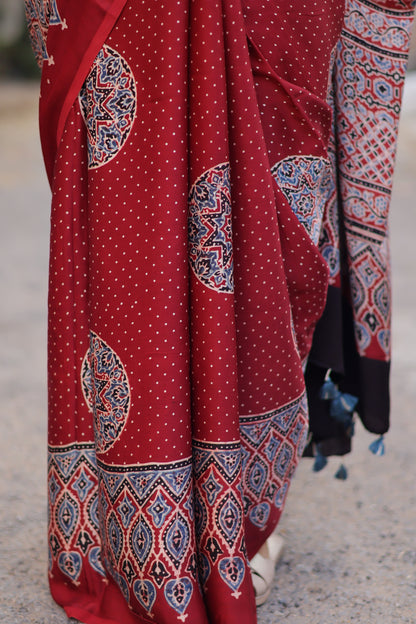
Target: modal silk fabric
[{"x": 193, "y": 161}]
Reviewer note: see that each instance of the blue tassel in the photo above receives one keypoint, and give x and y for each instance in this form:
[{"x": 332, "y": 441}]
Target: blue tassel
[
  {"x": 343, "y": 404},
  {"x": 348, "y": 401},
  {"x": 377, "y": 447},
  {"x": 340, "y": 414},
  {"x": 329, "y": 390},
  {"x": 341, "y": 473},
  {"x": 320, "y": 462}
]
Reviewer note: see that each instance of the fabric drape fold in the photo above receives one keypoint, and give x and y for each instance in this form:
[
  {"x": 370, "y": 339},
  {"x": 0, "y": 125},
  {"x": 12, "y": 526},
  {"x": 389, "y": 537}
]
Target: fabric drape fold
[
  {"x": 186, "y": 144},
  {"x": 353, "y": 338}
]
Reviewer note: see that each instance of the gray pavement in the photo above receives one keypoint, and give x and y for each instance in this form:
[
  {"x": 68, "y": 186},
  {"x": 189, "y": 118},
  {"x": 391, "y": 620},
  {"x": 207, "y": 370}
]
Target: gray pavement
[{"x": 351, "y": 546}]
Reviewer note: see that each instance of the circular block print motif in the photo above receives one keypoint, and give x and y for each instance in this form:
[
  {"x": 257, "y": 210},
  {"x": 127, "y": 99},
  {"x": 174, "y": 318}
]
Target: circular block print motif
[
  {"x": 307, "y": 183},
  {"x": 106, "y": 391},
  {"x": 108, "y": 105},
  {"x": 210, "y": 231}
]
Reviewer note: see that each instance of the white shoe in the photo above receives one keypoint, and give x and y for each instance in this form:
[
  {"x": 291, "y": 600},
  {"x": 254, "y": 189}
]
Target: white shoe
[{"x": 263, "y": 567}]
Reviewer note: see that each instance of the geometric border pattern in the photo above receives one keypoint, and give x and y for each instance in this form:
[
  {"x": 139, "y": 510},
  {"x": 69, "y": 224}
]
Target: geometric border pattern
[
  {"x": 370, "y": 69},
  {"x": 142, "y": 523},
  {"x": 271, "y": 444},
  {"x": 73, "y": 510}
]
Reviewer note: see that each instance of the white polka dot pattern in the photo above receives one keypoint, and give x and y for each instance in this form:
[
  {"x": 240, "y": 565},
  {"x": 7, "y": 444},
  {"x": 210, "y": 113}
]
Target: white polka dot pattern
[{"x": 189, "y": 180}]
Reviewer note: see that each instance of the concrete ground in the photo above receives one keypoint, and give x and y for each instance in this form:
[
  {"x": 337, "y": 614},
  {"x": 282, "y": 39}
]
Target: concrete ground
[{"x": 351, "y": 546}]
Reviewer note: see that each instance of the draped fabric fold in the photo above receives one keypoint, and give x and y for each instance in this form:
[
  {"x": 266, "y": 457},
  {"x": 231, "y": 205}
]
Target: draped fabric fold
[
  {"x": 353, "y": 337},
  {"x": 186, "y": 144}
]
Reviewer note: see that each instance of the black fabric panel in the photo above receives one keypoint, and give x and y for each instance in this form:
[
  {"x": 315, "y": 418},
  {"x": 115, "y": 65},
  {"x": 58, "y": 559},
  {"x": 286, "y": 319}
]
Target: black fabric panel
[
  {"x": 334, "y": 349},
  {"x": 369, "y": 380},
  {"x": 329, "y": 434},
  {"x": 327, "y": 347}
]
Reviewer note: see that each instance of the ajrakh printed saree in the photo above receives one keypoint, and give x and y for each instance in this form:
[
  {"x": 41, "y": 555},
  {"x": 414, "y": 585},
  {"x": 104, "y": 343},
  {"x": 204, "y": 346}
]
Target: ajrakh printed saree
[{"x": 197, "y": 215}]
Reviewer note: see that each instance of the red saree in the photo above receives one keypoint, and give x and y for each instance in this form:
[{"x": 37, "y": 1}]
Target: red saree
[{"x": 186, "y": 144}]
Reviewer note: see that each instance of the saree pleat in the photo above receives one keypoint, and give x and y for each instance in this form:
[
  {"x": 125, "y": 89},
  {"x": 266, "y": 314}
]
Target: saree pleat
[{"x": 187, "y": 148}]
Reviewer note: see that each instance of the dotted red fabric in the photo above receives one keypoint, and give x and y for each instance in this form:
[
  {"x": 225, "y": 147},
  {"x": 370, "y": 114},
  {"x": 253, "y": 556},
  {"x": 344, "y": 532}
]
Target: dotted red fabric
[{"x": 187, "y": 147}]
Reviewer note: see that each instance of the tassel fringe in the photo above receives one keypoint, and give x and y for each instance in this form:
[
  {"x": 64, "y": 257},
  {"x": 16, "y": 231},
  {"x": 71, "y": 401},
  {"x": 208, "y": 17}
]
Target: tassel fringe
[
  {"x": 320, "y": 462},
  {"x": 377, "y": 447},
  {"x": 341, "y": 473},
  {"x": 341, "y": 408}
]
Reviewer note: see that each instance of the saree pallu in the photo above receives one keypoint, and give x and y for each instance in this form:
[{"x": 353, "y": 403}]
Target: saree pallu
[
  {"x": 353, "y": 338},
  {"x": 186, "y": 145}
]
